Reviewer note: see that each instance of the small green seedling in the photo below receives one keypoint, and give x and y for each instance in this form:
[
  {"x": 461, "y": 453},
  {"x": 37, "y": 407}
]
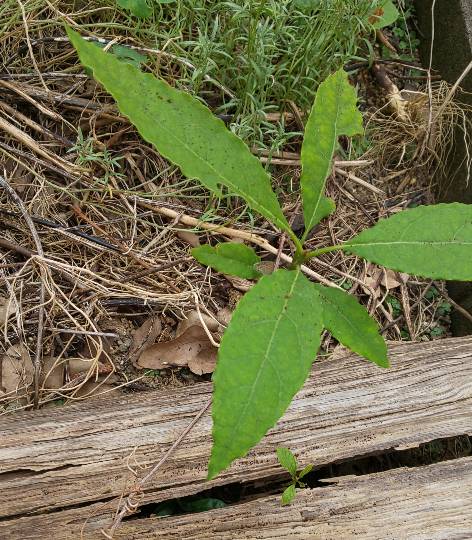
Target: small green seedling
[
  {"x": 288, "y": 461},
  {"x": 269, "y": 346},
  {"x": 86, "y": 154}
]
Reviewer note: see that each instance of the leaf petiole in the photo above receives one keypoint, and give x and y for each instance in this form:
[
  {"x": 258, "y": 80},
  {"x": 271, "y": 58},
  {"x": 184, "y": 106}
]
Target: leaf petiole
[
  {"x": 318, "y": 252},
  {"x": 298, "y": 243}
]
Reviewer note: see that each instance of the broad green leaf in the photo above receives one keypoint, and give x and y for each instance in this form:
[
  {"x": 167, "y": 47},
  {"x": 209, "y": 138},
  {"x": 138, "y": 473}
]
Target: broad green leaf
[
  {"x": 139, "y": 8},
  {"x": 334, "y": 113},
  {"x": 287, "y": 460},
  {"x": 385, "y": 14},
  {"x": 351, "y": 325},
  {"x": 305, "y": 471},
  {"x": 288, "y": 494},
  {"x": 264, "y": 358},
  {"x": 229, "y": 258},
  {"x": 184, "y": 131},
  {"x": 430, "y": 241}
]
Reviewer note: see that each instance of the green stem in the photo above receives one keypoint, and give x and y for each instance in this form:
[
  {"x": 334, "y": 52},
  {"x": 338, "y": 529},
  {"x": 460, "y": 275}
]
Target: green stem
[
  {"x": 297, "y": 242},
  {"x": 318, "y": 252}
]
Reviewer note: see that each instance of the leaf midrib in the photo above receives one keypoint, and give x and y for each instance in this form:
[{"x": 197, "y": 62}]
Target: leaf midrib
[
  {"x": 327, "y": 168},
  {"x": 288, "y": 297},
  {"x": 409, "y": 242}
]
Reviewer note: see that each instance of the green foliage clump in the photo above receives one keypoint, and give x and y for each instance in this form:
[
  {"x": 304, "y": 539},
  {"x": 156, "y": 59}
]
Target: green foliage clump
[{"x": 265, "y": 52}]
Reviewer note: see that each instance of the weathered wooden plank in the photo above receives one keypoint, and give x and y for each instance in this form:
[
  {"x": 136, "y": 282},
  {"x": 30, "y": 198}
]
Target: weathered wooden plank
[
  {"x": 421, "y": 503},
  {"x": 433, "y": 502},
  {"x": 56, "y": 458}
]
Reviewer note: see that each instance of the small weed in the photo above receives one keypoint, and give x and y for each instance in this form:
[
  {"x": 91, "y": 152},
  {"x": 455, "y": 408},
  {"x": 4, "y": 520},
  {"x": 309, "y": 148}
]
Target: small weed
[
  {"x": 347, "y": 284},
  {"x": 288, "y": 462},
  {"x": 154, "y": 373},
  {"x": 396, "y": 306},
  {"x": 404, "y": 37},
  {"x": 432, "y": 293},
  {"x": 280, "y": 320},
  {"x": 405, "y": 335},
  {"x": 407, "y": 38},
  {"x": 444, "y": 309},
  {"x": 437, "y": 331},
  {"x": 85, "y": 153}
]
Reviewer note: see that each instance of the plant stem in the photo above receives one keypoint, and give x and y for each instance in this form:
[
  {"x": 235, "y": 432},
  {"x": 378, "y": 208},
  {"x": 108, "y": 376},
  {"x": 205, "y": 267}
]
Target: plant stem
[
  {"x": 318, "y": 252},
  {"x": 298, "y": 243}
]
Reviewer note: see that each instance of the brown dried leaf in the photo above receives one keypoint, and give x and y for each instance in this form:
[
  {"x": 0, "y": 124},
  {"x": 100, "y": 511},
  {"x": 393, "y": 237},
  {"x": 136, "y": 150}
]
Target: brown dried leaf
[
  {"x": 265, "y": 267},
  {"x": 144, "y": 336},
  {"x": 390, "y": 279},
  {"x": 194, "y": 320},
  {"x": 340, "y": 351},
  {"x": 79, "y": 366},
  {"x": 181, "y": 351},
  {"x": 7, "y": 309},
  {"x": 224, "y": 316},
  {"x": 17, "y": 370},
  {"x": 240, "y": 284},
  {"x": 373, "y": 279},
  {"x": 52, "y": 373},
  {"x": 189, "y": 237},
  {"x": 95, "y": 388},
  {"x": 204, "y": 362}
]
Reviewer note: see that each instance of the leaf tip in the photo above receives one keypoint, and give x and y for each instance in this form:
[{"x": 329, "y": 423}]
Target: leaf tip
[
  {"x": 213, "y": 468},
  {"x": 288, "y": 495},
  {"x": 384, "y": 363}
]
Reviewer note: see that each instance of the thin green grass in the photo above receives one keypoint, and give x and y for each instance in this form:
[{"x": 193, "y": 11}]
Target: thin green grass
[{"x": 267, "y": 53}]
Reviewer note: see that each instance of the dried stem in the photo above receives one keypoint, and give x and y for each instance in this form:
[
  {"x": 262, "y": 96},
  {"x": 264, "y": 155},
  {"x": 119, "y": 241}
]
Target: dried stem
[
  {"x": 42, "y": 291},
  {"x": 131, "y": 502}
]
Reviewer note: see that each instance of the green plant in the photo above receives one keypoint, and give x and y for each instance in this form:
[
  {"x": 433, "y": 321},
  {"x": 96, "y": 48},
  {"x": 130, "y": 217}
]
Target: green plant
[
  {"x": 437, "y": 331},
  {"x": 288, "y": 461},
  {"x": 268, "y": 348},
  {"x": 444, "y": 309},
  {"x": 266, "y": 53},
  {"x": 408, "y": 41},
  {"x": 384, "y": 14},
  {"x": 396, "y": 306},
  {"x": 85, "y": 154}
]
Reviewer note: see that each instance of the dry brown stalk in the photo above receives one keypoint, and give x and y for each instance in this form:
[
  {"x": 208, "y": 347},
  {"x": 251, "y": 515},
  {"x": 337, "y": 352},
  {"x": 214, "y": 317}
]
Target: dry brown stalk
[{"x": 42, "y": 294}]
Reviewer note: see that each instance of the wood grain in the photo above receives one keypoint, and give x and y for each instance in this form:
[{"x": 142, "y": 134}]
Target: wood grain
[
  {"x": 421, "y": 503},
  {"x": 433, "y": 502},
  {"x": 56, "y": 459}
]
